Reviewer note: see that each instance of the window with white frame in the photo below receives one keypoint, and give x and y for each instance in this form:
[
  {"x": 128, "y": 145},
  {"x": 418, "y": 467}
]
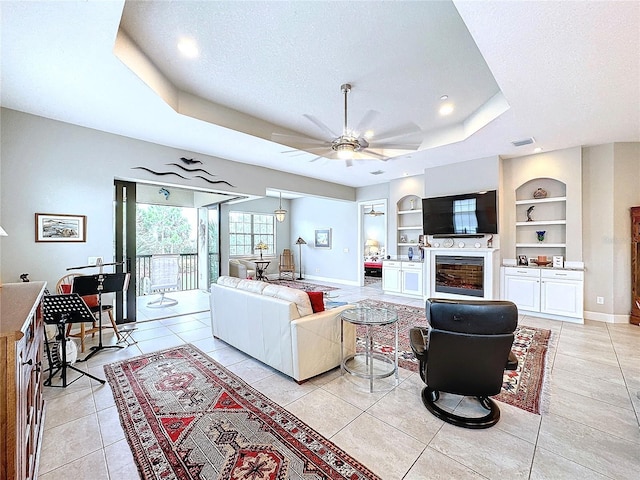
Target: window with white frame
[
  {"x": 247, "y": 230},
  {"x": 464, "y": 216}
]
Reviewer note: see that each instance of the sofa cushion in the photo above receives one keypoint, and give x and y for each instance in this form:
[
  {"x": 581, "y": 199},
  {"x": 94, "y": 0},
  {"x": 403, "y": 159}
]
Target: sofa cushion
[
  {"x": 229, "y": 281},
  {"x": 300, "y": 298},
  {"x": 317, "y": 301},
  {"x": 253, "y": 286}
]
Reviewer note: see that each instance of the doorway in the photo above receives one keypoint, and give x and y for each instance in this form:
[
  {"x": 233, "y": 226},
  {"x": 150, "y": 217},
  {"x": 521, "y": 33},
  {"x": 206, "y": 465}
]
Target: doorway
[
  {"x": 153, "y": 219},
  {"x": 372, "y": 241}
]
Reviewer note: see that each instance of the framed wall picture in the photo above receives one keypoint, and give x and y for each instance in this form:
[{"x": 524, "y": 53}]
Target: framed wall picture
[
  {"x": 53, "y": 227},
  {"x": 323, "y": 238}
]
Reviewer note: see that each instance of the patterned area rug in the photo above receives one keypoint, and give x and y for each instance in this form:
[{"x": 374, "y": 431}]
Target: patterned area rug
[
  {"x": 521, "y": 388},
  {"x": 187, "y": 417},
  {"x": 305, "y": 286}
]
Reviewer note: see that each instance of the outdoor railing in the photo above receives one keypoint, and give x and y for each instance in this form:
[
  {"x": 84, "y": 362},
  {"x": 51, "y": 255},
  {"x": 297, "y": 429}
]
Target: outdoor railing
[{"x": 188, "y": 265}]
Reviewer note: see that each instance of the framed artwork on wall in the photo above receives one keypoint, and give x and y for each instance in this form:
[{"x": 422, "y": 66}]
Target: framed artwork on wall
[
  {"x": 323, "y": 238},
  {"x": 52, "y": 227}
]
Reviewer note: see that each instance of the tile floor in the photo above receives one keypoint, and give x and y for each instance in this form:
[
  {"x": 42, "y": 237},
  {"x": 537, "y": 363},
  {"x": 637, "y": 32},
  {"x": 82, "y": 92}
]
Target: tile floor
[{"x": 590, "y": 429}]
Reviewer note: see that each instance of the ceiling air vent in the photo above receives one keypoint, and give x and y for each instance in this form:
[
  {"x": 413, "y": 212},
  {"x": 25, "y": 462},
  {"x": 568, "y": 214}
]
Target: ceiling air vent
[
  {"x": 525, "y": 141},
  {"x": 377, "y": 172}
]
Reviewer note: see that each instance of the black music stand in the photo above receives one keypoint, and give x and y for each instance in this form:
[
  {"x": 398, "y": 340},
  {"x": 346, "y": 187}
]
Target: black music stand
[
  {"x": 99, "y": 284},
  {"x": 61, "y": 310}
]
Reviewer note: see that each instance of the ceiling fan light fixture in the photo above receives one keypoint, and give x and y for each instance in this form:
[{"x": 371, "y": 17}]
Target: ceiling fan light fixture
[{"x": 345, "y": 147}]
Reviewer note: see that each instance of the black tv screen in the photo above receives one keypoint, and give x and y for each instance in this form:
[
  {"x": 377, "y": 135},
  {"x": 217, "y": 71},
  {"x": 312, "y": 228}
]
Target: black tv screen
[{"x": 467, "y": 214}]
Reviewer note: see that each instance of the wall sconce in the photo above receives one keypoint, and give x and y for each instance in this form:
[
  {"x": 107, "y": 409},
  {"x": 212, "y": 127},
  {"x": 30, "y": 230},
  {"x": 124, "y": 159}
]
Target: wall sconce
[{"x": 280, "y": 212}]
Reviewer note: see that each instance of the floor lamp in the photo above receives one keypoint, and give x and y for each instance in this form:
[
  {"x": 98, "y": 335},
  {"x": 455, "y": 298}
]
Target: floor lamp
[{"x": 300, "y": 242}]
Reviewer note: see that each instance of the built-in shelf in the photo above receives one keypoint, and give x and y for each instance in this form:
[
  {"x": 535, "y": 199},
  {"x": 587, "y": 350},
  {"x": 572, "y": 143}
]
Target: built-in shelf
[
  {"x": 541, "y": 245},
  {"x": 409, "y": 224},
  {"x": 541, "y": 222},
  {"x": 541, "y": 200}
]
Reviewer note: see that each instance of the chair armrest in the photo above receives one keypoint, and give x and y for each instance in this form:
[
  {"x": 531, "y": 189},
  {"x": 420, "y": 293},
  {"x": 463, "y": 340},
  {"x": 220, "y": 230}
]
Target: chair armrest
[{"x": 418, "y": 338}]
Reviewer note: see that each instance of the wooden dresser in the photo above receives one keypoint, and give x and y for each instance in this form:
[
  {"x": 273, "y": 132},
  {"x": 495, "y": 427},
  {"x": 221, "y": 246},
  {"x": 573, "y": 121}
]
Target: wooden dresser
[{"x": 21, "y": 402}]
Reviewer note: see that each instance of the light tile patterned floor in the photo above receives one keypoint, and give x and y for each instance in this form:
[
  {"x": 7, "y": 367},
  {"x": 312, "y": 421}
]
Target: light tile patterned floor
[{"x": 590, "y": 430}]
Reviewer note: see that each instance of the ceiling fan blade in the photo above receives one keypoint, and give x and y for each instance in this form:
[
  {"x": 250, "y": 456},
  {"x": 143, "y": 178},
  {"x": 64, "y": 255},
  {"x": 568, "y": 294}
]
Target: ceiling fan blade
[
  {"x": 366, "y": 122},
  {"x": 403, "y": 131},
  {"x": 297, "y": 140},
  {"x": 370, "y": 153},
  {"x": 397, "y": 146},
  {"x": 321, "y": 125}
]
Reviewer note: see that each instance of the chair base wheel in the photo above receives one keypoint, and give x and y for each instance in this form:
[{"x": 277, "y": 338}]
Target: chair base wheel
[{"x": 429, "y": 397}]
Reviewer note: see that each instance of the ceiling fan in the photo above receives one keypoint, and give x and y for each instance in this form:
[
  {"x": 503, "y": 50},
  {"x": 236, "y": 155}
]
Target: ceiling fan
[
  {"x": 353, "y": 144},
  {"x": 373, "y": 212}
]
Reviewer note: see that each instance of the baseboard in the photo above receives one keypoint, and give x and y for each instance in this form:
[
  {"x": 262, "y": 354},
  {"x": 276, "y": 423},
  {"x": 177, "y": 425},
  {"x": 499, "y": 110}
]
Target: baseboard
[
  {"x": 606, "y": 317},
  {"x": 352, "y": 283}
]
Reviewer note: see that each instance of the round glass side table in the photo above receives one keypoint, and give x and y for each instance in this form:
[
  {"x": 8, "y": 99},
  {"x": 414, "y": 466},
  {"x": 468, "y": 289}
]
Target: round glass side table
[{"x": 370, "y": 364}]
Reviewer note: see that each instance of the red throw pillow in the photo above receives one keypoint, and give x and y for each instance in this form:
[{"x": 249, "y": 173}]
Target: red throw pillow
[
  {"x": 317, "y": 301},
  {"x": 91, "y": 300},
  {"x": 66, "y": 289}
]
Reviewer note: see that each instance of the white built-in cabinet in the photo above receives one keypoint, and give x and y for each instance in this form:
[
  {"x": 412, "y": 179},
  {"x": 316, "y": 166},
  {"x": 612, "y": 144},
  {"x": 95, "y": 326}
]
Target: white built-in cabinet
[
  {"x": 551, "y": 292},
  {"x": 405, "y": 278}
]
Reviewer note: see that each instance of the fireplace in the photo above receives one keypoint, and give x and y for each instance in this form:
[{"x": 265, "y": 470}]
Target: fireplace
[{"x": 460, "y": 275}]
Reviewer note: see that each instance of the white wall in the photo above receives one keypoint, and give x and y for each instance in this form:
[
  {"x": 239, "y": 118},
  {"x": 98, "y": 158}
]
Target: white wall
[
  {"x": 54, "y": 167},
  {"x": 341, "y": 263},
  {"x": 611, "y": 175}
]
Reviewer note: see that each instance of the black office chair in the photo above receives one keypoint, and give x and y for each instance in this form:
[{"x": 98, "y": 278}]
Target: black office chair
[{"x": 464, "y": 351}]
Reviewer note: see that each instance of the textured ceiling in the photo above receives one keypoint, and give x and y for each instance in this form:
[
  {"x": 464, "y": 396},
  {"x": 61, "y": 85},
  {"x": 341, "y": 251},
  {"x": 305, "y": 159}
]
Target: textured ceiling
[{"x": 565, "y": 73}]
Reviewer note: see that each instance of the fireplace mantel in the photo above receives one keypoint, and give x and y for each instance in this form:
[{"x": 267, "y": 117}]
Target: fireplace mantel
[{"x": 491, "y": 271}]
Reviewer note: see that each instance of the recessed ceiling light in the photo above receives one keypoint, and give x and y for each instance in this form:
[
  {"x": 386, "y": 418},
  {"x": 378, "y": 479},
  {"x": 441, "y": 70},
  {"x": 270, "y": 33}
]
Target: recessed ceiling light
[
  {"x": 444, "y": 97},
  {"x": 446, "y": 109},
  {"x": 537, "y": 150},
  {"x": 188, "y": 47}
]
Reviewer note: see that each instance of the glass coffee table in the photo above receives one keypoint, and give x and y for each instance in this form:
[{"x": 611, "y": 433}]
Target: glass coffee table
[{"x": 370, "y": 364}]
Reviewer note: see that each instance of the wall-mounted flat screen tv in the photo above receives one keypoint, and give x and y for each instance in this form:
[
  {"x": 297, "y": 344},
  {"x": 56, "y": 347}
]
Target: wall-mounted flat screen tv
[{"x": 466, "y": 214}]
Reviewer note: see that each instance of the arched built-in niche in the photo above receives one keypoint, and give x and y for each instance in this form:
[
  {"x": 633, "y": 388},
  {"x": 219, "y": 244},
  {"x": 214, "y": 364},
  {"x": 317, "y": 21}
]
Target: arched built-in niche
[{"x": 541, "y": 206}]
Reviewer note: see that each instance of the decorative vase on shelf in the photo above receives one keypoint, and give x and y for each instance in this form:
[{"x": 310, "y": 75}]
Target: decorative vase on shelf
[
  {"x": 410, "y": 253},
  {"x": 540, "y": 193},
  {"x": 412, "y": 202},
  {"x": 540, "y": 234}
]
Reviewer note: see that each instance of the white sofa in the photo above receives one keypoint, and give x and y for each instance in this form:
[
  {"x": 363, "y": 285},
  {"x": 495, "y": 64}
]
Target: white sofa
[
  {"x": 242, "y": 268},
  {"x": 276, "y": 325}
]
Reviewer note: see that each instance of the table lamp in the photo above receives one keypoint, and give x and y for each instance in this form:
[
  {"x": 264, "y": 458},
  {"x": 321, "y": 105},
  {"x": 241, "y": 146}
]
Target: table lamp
[{"x": 262, "y": 246}]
